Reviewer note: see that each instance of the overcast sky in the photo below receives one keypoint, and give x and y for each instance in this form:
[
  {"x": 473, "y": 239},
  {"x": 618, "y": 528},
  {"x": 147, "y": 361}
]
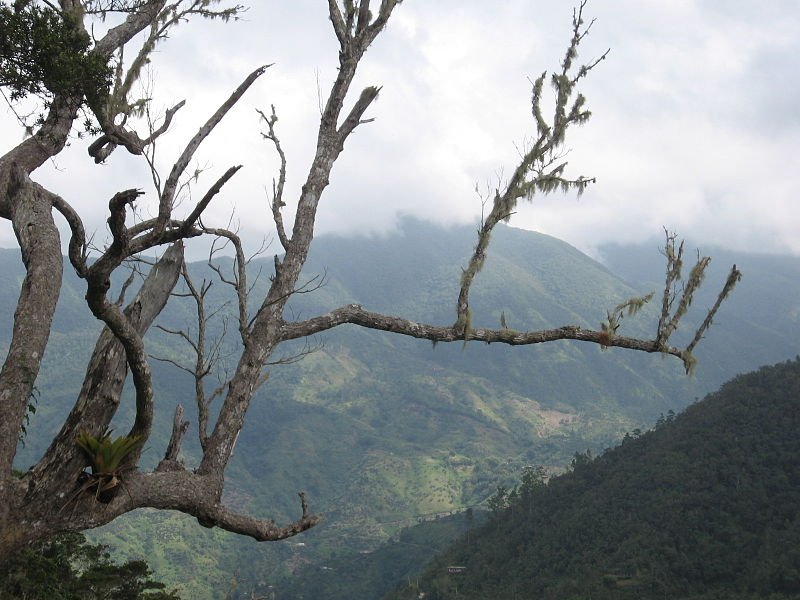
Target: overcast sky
[{"x": 696, "y": 122}]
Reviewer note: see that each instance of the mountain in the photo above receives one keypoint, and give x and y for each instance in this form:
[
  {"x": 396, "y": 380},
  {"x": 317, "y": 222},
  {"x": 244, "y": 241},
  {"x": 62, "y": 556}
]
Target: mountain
[
  {"x": 380, "y": 430},
  {"x": 706, "y": 505},
  {"x": 371, "y": 574}
]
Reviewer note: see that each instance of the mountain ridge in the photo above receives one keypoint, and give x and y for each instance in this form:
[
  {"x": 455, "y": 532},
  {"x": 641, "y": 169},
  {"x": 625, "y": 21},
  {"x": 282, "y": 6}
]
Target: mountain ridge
[{"x": 378, "y": 428}]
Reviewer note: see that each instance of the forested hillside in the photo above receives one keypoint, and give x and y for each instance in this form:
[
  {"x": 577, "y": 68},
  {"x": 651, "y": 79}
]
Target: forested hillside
[
  {"x": 706, "y": 505},
  {"x": 381, "y": 430}
]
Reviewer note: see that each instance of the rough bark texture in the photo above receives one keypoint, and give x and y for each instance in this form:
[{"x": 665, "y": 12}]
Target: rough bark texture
[
  {"x": 41, "y": 254},
  {"x": 105, "y": 376}
]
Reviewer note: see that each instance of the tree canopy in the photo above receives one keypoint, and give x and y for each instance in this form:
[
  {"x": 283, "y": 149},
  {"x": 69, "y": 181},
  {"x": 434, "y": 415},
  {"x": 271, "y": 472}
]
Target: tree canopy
[
  {"x": 43, "y": 54},
  {"x": 67, "y": 567}
]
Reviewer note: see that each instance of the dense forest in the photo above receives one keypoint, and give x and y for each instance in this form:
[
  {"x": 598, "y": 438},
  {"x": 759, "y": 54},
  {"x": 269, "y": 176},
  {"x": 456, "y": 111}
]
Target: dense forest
[
  {"x": 371, "y": 574},
  {"x": 67, "y": 567},
  {"x": 703, "y": 506}
]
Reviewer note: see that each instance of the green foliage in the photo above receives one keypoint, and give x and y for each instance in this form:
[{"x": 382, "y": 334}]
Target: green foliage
[
  {"x": 43, "y": 53},
  {"x": 106, "y": 455},
  {"x": 498, "y": 502},
  {"x": 66, "y": 567},
  {"x": 371, "y": 574},
  {"x": 706, "y": 505},
  {"x": 30, "y": 411}
]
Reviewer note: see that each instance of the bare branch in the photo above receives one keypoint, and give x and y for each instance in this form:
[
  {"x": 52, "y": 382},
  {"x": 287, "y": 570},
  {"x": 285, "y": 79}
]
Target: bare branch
[
  {"x": 174, "y": 488},
  {"x": 239, "y": 283},
  {"x": 259, "y": 529},
  {"x": 354, "y": 119},
  {"x": 189, "y": 222},
  {"x": 277, "y": 188},
  {"x": 172, "y": 362},
  {"x": 356, "y": 315},
  {"x": 179, "y": 427},
  {"x": 309, "y": 286},
  {"x": 385, "y": 11},
  {"x": 116, "y": 221},
  {"x": 296, "y": 357},
  {"x": 125, "y": 285},
  {"x": 77, "y": 251},
  {"x": 168, "y": 194},
  {"x": 262, "y": 340},
  {"x": 136, "y": 22},
  {"x": 104, "y": 145},
  {"x": 733, "y": 278},
  {"x": 98, "y": 284},
  {"x": 40, "y": 247},
  {"x": 339, "y": 27},
  {"x": 105, "y": 374}
]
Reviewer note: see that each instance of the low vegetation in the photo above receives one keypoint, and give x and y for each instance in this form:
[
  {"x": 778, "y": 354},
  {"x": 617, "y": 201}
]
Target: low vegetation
[{"x": 67, "y": 567}]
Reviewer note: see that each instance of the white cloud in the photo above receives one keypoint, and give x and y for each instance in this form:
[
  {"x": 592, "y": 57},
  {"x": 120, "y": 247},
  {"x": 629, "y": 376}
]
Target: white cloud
[{"x": 695, "y": 125}]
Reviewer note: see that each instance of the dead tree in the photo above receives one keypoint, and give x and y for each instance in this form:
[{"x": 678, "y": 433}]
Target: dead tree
[{"x": 53, "y": 496}]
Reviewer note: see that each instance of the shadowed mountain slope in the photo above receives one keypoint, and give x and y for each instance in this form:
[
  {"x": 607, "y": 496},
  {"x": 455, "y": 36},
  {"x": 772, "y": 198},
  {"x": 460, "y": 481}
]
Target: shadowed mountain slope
[{"x": 707, "y": 505}]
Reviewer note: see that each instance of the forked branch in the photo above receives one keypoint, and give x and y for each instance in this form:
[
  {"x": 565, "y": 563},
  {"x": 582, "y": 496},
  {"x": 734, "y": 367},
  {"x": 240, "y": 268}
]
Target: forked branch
[
  {"x": 540, "y": 169},
  {"x": 277, "y": 202}
]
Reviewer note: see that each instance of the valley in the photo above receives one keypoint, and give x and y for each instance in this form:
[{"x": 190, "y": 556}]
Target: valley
[{"x": 381, "y": 431}]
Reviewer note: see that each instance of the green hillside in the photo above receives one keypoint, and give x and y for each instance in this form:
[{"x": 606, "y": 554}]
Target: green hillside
[
  {"x": 380, "y": 429},
  {"x": 707, "y": 505},
  {"x": 370, "y": 574}
]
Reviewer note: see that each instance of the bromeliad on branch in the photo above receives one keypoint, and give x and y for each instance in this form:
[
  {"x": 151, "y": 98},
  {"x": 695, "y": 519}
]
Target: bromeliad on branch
[{"x": 106, "y": 456}]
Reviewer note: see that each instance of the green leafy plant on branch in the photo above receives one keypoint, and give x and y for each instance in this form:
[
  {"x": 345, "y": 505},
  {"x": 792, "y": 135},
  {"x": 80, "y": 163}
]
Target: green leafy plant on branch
[{"x": 106, "y": 458}]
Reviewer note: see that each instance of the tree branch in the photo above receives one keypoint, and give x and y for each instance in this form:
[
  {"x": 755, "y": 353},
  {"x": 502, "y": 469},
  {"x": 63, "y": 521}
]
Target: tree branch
[
  {"x": 190, "y": 221},
  {"x": 239, "y": 281},
  {"x": 102, "y": 386},
  {"x": 179, "y": 427},
  {"x": 168, "y": 194},
  {"x": 356, "y": 315},
  {"x": 40, "y": 246},
  {"x": 262, "y": 338},
  {"x": 353, "y": 119},
  {"x": 77, "y": 241},
  {"x": 277, "y": 187},
  {"x": 538, "y": 170},
  {"x": 135, "y": 23}
]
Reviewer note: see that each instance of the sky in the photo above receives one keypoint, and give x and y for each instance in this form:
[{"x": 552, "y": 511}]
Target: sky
[{"x": 695, "y": 127}]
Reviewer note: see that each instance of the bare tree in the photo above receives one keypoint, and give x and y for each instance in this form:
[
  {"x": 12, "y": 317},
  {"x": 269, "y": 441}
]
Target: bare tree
[{"x": 57, "y": 494}]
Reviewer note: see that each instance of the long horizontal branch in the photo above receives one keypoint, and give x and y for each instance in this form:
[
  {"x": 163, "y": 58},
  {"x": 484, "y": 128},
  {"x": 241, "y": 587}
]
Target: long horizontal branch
[
  {"x": 354, "y": 314},
  {"x": 198, "y": 496},
  {"x": 261, "y": 530},
  {"x": 168, "y": 489}
]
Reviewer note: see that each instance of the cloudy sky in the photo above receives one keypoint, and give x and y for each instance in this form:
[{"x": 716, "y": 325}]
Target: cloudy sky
[{"x": 696, "y": 122}]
